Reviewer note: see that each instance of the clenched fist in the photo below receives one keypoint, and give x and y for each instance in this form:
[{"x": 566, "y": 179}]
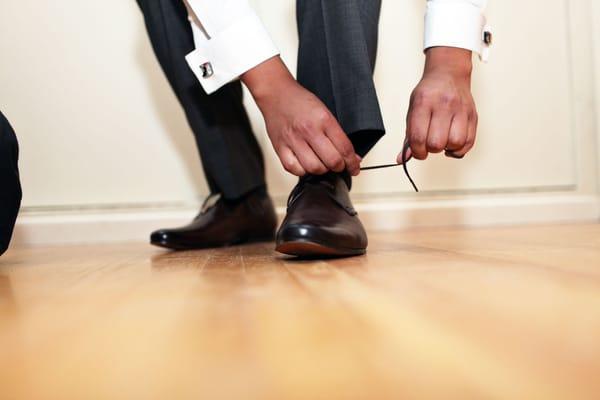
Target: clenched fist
[
  {"x": 442, "y": 114},
  {"x": 305, "y": 135}
]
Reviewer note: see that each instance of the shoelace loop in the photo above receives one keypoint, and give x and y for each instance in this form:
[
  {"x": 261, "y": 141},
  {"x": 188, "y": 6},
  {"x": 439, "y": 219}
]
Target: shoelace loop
[{"x": 404, "y": 161}]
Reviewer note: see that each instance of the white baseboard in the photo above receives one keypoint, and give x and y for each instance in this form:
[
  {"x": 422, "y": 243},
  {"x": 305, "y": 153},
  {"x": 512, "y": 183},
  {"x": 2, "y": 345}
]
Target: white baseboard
[
  {"x": 114, "y": 225},
  {"x": 482, "y": 211}
]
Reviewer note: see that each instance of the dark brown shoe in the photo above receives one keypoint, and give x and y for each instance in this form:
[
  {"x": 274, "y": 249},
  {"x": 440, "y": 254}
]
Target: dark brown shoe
[
  {"x": 222, "y": 224},
  {"x": 320, "y": 219}
]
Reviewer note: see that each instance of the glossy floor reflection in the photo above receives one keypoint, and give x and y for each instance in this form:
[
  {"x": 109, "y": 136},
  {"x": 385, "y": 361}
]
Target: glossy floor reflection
[{"x": 481, "y": 313}]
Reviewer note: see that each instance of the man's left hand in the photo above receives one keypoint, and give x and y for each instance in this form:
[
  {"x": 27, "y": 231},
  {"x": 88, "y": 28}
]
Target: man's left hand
[{"x": 442, "y": 114}]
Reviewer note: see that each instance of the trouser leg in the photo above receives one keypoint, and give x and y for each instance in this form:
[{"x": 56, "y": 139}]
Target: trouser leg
[
  {"x": 10, "y": 187},
  {"x": 230, "y": 154},
  {"x": 336, "y": 59}
]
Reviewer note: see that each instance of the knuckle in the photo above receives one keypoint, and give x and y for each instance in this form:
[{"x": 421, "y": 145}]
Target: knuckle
[
  {"x": 298, "y": 171},
  {"x": 347, "y": 155},
  {"x": 312, "y": 167},
  {"x": 292, "y": 169},
  {"x": 303, "y": 126},
  {"x": 418, "y": 140},
  {"x": 337, "y": 164},
  {"x": 435, "y": 145},
  {"x": 421, "y": 97},
  {"x": 456, "y": 142},
  {"x": 323, "y": 117},
  {"x": 287, "y": 136},
  {"x": 288, "y": 166},
  {"x": 420, "y": 155},
  {"x": 450, "y": 100},
  {"x": 320, "y": 169},
  {"x": 465, "y": 111},
  {"x": 346, "y": 148}
]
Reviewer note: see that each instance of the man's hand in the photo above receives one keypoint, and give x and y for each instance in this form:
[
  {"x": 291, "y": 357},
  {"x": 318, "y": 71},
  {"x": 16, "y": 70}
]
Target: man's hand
[
  {"x": 305, "y": 135},
  {"x": 442, "y": 114}
]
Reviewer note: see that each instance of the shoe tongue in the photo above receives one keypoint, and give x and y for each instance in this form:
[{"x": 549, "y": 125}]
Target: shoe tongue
[
  {"x": 347, "y": 179},
  {"x": 329, "y": 178}
]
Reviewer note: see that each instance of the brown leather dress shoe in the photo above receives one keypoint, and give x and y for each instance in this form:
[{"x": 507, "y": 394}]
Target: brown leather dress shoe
[
  {"x": 320, "y": 219},
  {"x": 221, "y": 224}
]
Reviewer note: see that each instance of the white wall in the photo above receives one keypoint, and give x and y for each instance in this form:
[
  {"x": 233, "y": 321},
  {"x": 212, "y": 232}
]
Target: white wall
[{"x": 100, "y": 130}]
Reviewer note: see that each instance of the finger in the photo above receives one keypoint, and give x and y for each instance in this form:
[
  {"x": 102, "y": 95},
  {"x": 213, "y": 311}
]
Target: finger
[
  {"x": 344, "y": 146},
  {"x": 417, "y": 126},
  {"x": 327, "y": 153},
  {"x": 308, "y": 159},
  {"x": 290, "y": 161},
  {"x": 458, "y": 133},
  {"x": 439, "y": 130},
  {"x": 408, "y": 154},
  {"x": 470, "y": 142}
]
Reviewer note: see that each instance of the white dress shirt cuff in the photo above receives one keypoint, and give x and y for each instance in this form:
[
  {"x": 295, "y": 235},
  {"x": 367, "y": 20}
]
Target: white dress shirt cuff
[
  {"x": 456, "y": 24},
  {"x": 222, "y": 58}
]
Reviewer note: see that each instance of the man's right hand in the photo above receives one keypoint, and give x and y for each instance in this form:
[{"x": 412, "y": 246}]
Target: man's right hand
[{"x": 305, "y": 135}]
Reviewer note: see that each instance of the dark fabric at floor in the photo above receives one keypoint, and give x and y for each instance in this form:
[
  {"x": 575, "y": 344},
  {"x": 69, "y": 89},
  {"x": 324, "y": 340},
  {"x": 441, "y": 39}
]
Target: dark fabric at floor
[{"x": 10, "y": 187}]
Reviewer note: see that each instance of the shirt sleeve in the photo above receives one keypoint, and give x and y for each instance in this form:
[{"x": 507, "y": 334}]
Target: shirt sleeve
[
  {"x": 457, "y": 23},
  {"x": 229, "y": 39}
]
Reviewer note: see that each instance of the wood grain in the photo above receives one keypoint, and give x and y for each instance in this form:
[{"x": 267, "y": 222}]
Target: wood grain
[{"x": 503, "y": 313}]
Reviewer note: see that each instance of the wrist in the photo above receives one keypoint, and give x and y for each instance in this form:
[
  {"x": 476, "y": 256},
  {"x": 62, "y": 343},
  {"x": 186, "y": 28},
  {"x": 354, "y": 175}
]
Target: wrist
[
  {"x": 267, "y": 79},
  {"x": 453, "y": 60}
]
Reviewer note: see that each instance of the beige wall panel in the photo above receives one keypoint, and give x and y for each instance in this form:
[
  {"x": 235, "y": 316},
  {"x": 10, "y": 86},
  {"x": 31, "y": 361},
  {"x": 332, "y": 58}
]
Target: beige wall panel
[{"x": 99, "y": 126}]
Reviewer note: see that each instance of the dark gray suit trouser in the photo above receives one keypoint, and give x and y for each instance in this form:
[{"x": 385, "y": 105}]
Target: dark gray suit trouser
[
  {"x": 338, "y": 46},
  {"x": 10, "y": 187}
]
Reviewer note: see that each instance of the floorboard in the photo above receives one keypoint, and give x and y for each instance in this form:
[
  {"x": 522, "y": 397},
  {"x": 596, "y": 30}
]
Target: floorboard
[{"x": 504, "y": 313}]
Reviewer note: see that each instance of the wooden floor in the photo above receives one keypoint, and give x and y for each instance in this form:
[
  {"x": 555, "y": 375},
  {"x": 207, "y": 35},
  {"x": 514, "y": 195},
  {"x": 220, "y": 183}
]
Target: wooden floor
[{"x": 511, "y": 313}]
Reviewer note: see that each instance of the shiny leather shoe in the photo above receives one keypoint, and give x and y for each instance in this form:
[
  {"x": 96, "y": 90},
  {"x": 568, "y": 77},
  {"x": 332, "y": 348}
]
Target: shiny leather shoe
[
  {"x": 321, "y": 221},
  {"x": 222, "y": 224}
]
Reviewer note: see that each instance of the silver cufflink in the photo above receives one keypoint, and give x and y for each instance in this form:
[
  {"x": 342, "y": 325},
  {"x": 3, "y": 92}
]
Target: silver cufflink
[
  {"x": 488, "y": 38},
  {"x": 207, "y": 70}
]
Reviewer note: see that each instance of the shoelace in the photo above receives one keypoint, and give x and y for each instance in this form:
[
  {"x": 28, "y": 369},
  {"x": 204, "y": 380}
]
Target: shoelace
[
  {"x": 404, "y": 160},
  {"x": 307, "y": 179}
]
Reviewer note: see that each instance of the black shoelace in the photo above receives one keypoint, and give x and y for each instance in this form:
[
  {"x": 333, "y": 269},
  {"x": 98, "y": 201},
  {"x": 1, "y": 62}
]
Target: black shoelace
[{"x": 404, "y": 161}]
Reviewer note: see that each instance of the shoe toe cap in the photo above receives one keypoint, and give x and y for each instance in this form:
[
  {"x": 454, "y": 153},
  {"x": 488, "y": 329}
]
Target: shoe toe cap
[
  {"x": 295, "y": 231},
  {"x": 331, "y": 235},
  {"x": 161, "y": 236}
]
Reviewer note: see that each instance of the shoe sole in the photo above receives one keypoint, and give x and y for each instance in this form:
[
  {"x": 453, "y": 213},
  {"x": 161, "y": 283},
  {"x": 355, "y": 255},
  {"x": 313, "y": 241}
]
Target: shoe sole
[
  {"x": 308, "y": 249},
  {"x": 237, "y": 242}
]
